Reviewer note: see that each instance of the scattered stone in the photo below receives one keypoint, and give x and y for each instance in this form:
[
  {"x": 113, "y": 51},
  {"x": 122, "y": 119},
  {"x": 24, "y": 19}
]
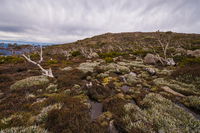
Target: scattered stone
[
  {"x": 29, "y": 82},
  {"x": 131, "y": 78},
  {"x": 67, "y": 69},
  {"x": 150, "y": 59},
  {"x": 170, "y": 62},
  {"x": 151, "y": 71}
]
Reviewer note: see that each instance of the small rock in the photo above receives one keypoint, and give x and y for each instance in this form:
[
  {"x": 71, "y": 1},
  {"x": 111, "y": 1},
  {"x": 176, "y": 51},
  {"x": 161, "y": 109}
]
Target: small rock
[
  {"x": 131, "y": 78},
  {"x": 150, "y": 59},
  {"x": 67, "y": 69},
  {"x": 170, "y": 62},
  {"x": 151, "y": 71}
]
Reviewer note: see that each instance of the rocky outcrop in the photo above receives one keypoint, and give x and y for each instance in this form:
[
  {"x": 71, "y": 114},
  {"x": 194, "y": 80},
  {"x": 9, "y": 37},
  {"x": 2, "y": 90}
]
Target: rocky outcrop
[{"x": 30, "y": 82}]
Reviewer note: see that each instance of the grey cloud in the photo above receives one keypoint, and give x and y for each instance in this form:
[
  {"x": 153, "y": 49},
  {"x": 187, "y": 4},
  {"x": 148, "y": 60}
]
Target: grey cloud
[{"x": 66, "y": 20}]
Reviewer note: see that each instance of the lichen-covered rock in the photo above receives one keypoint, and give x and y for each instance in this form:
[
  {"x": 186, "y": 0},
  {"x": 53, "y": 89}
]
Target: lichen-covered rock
[
  {"x": 88, "y": 66},
  {"x": 112, "y": 67},
  {"x": 192, "y": 102},
  {"x": 131, "y": 78},
  {"x": 29, "y": 82},
  {"x": 168, "y": 116},
  {"x": 31, "y": 129},
  {"x": 186, "y": 89}
]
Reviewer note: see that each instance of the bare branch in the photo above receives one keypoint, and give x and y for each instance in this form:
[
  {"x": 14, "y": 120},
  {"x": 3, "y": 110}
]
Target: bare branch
[
  {"x": 44, "y": 71},
  {"x": 41, "y": 56}
]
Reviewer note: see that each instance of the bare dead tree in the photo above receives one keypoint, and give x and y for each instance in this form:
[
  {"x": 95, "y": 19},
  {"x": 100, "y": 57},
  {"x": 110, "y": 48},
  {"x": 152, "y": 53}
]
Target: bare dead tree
[
  {"x": 164, "y": 42},
  {"x": 45, "y": 72}
]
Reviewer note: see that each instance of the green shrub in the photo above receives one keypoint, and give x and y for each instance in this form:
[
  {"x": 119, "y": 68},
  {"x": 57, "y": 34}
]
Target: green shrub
[
  {"x": 111, "y": 54},
  {"x": 50, "y": 62},
  {"x": 188, "y": 74},
  {"x": 76, "y": 53},
  {"x": 141, "y": 52},
  {"x": 10, "y": 59},
  {"x": 108, "y": 59},
  {"x": 189, "y": 61},
  {"x": 195, "y": 41},
  {"x": 35, "y": 56}
]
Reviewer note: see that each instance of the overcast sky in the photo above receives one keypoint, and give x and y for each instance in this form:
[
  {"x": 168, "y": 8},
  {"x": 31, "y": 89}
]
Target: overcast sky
[{"x": 60, "y": 21}]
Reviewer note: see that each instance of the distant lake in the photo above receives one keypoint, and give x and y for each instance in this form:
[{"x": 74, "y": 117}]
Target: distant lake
[{"x": 7, "y": 47}]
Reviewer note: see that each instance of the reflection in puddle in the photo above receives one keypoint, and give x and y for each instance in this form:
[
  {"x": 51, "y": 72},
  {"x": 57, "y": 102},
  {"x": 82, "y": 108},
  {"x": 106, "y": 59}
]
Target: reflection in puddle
[{"x": 96, "y": 109}]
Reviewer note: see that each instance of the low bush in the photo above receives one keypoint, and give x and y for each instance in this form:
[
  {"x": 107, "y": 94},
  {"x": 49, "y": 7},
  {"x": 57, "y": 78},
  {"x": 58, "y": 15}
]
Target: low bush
[
  {"x": 11, "y": 59},
  {"x": 189, "y": 61},
  {"x": 5, "y": 78},
  {"x": 188, "y": 74},
  {"x": 50, "y": 62},
  {"x": 76, "y": 53},
  {"x": 68, "y": 79},
  {"x": 111, "y": 54},
  {"x": 142, "y": 53}
]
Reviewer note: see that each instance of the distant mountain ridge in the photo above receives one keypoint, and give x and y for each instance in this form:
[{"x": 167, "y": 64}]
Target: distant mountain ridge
[{"x": 24, "y": 42}]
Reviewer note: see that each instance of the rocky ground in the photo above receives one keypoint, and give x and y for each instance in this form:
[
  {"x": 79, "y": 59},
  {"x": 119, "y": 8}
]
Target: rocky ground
[{"x": 106, "y": 84}]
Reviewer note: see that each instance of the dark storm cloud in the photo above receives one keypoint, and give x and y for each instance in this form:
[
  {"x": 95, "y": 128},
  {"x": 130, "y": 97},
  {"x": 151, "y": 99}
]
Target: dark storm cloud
[{"x": 67, "y": 20}]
